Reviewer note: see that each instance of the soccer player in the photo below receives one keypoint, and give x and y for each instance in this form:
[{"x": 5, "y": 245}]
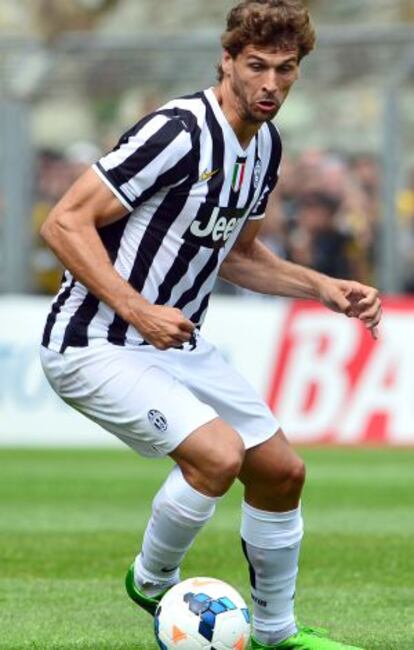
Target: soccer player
[{"x": 143, "y": 235}]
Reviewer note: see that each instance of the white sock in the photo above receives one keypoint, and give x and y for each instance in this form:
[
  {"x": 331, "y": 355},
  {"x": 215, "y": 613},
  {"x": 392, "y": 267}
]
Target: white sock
[
  {"x": 178, "y": 514},
  {"x": 271, "y": 544}
]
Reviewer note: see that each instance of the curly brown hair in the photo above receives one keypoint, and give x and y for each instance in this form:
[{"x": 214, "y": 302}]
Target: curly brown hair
[{"x": 284, "y": 24}]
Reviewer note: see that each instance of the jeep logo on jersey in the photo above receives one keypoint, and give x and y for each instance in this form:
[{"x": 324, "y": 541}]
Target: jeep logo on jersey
[
  {"x": 158, "y": 420},
  {"x": 213, "y": 227}
]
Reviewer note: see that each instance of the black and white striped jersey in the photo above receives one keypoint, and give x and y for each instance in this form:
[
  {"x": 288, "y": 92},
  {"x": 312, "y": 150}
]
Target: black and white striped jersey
[{"x": 188, "y": 187}]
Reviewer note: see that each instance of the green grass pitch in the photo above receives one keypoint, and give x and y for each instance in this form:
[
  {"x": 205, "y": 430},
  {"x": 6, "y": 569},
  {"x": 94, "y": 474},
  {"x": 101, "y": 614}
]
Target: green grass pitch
[{"x": 71, "y": 522}]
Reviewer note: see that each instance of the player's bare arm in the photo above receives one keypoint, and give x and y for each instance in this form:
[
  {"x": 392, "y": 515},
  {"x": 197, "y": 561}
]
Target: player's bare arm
[
  {"x": 253, "y": 266},
  {"x": 71, "y": 231}
]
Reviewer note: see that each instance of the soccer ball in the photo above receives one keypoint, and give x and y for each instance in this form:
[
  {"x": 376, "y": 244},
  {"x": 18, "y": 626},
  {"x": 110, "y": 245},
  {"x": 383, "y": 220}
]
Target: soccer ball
[{"x": 202, "y": 614}]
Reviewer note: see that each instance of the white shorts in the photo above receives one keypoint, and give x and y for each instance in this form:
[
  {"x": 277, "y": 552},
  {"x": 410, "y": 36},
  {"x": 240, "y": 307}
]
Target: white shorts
[{"x": 151, "y": 399}]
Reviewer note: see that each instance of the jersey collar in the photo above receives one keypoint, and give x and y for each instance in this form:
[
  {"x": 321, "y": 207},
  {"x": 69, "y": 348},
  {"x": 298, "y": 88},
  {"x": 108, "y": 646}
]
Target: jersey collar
[{"x": 230, "y": 136}]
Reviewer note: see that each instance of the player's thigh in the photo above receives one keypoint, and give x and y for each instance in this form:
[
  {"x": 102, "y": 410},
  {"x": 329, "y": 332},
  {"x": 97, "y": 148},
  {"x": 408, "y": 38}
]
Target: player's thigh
[
  {"x": 232, "y": 397},
  {"x": 128, "y": 393}
]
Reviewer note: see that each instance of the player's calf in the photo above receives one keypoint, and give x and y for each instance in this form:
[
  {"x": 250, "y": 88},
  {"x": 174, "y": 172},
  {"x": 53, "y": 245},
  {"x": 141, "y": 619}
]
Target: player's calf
[{"x": 178, "y": 513}]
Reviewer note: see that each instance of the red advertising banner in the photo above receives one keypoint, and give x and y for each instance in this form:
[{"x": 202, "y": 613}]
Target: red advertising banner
[{"x": 332, "y": 383}]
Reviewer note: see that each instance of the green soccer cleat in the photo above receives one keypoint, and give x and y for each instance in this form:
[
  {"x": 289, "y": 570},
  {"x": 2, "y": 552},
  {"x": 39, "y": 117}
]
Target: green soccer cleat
[
  {"x": 148, "y": 603},
  {"x": 307, "y": 638}
]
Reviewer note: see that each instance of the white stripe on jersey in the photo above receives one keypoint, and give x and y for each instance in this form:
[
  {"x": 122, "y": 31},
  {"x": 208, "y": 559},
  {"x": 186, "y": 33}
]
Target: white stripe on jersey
[
  {"x": 174, "y": 170},
  {"x": 119, "y": 155},
  {"x": 166, "y": 159},
  {"x": 188, "y": 104},
  {"x": 119, "y": 196},
  {"x": 73, "y": 303},
  {"x": 173, "y": 153},
  {"x": 131, "y": 239}
]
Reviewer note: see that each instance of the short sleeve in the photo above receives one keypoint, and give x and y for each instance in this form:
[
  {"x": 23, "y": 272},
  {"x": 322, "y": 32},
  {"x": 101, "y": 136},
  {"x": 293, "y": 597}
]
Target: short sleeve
[
  {"x": 152, "y": 155},
  {"x": 259, "y": 209},
  {"x": 271, "y": 175}
]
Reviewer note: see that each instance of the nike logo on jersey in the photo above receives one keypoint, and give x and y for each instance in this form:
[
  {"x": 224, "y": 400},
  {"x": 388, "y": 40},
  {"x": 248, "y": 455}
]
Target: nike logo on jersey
[{"x": 206, "y": 175}]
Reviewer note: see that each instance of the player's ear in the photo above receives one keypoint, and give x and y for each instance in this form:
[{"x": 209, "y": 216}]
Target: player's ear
[
  {"x": 298, "y": 70},
  {"x": 226, "y": 63}
]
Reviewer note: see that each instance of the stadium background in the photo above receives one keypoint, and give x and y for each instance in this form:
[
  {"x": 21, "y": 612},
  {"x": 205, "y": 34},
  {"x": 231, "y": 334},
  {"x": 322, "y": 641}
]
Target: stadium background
[{"x": 73, "y": 75}]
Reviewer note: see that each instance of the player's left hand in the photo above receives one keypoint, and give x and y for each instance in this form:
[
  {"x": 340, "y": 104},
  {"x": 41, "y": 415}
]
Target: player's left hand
[{"x": 353, "y": 299}]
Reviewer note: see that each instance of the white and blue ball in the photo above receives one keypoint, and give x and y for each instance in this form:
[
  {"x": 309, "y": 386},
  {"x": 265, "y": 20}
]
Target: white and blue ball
[{"x": 202, "y": 614}]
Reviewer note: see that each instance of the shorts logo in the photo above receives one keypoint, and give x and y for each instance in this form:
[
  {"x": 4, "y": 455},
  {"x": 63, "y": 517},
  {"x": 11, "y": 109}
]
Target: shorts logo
[{"x": 158, "y": 420}]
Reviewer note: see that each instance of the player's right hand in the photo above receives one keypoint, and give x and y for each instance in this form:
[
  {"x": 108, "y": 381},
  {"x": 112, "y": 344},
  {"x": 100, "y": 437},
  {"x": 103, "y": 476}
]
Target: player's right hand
[{"x": 163, "y": 327}]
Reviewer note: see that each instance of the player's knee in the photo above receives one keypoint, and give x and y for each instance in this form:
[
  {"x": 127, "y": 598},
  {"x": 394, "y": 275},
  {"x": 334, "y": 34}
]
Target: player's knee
[
  {"x": 230, "y": 465},
  {"x": 216, "y": 476},
  {"x": 298, "y": 474},
  {"x": 221, "y": 474},
  {"x": 294, "y": 477},
  {"x": 212, "y": 461}
]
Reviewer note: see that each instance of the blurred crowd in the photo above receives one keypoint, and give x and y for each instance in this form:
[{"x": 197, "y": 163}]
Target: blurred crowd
[
  {"x": 55, "y": 173},
  {"x": 325, "y": 213}
]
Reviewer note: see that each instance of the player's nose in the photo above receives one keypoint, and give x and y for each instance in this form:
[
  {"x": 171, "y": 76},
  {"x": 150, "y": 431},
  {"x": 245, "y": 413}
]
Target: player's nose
[{"x": 270, "y": 82}]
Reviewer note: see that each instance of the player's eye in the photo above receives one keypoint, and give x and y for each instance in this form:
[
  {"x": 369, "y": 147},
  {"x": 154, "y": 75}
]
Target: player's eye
[
  {"x": 286, "y": 69},
  {"x": 256, "y": 66}
]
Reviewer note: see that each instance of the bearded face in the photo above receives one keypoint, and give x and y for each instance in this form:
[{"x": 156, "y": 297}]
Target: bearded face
[{"x": 260, "y": 80}]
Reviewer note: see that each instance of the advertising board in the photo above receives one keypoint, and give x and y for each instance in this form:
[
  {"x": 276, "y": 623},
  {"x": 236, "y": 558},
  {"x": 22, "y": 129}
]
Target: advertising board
[
  {"x": 321, "y": 373},
  {"x": 331, "y": 382}
]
